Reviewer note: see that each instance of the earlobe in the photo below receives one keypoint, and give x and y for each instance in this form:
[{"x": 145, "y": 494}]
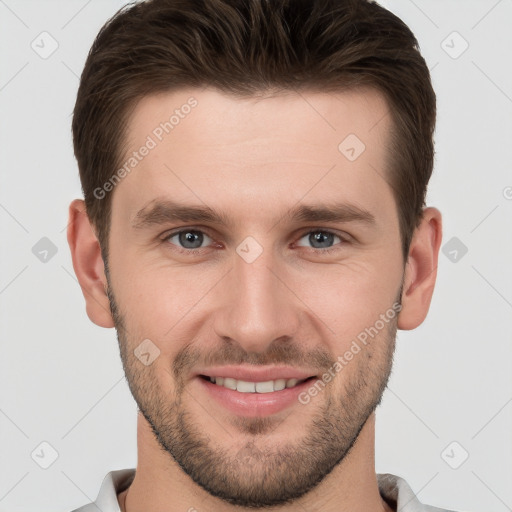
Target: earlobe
[
  {"x": 88, "y": 264},
  {"x": 421, "y": 270}
]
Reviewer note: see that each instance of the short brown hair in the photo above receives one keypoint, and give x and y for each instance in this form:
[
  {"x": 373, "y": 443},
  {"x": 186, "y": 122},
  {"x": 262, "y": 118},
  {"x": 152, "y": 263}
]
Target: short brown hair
[{"x": 248, "y": 47}]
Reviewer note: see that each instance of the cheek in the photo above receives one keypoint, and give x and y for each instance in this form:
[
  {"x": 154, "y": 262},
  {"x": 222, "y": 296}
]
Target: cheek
[
  {"x": 164, "y": 302},
  {"x": 348, "y": 298},
  {"x": 158, "y": 302}
]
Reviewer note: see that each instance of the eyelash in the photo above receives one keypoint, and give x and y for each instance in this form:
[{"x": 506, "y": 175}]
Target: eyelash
[{"x": 195, "y": 252}]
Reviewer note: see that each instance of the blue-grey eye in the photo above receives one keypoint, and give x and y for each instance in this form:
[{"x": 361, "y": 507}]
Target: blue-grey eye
[
  {"x": 189, "y": 239},
  {"x": 320, "y": 239}
]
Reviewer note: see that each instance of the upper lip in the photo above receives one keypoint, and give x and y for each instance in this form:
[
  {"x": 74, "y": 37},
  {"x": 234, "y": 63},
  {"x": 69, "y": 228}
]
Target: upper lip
[{"x": 256, "y": 374}]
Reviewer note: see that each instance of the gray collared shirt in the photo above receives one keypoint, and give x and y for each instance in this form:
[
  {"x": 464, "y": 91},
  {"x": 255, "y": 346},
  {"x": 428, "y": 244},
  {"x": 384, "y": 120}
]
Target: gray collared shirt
[{"x": 394, "y": 489}]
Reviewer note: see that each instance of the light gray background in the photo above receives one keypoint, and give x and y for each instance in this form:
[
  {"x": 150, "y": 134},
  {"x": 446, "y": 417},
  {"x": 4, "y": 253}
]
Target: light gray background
[{"x": 61, "y": 378}]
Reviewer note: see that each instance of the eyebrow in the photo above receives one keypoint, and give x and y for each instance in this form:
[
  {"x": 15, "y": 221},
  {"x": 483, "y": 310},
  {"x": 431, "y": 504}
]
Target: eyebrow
[{"x": 161, "y": 212}]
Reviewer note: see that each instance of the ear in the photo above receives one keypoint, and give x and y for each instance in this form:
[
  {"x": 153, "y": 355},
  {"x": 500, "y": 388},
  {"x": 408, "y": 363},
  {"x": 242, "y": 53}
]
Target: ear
[
  {"x": 421, "y": 270},
  {"x": 88, "y": 264}
]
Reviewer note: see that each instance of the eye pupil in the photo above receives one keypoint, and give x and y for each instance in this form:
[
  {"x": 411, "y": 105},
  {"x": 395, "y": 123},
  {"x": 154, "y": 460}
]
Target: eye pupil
[
  {"x": 320, "y": 237},
  {"x": 194, "y": 237}
]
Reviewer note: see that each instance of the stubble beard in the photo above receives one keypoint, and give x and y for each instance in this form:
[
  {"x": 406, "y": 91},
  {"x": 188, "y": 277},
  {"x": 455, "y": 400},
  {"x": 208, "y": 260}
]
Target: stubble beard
[{"x": 259, "y": 474}]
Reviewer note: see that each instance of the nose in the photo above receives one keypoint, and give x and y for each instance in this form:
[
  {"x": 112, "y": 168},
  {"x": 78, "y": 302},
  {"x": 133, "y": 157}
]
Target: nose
[{"x": 256, "y": 303}]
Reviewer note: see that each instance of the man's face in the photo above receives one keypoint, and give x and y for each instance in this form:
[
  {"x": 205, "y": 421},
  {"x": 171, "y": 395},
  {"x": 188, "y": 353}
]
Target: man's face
[{"x": 264, "y": 288}]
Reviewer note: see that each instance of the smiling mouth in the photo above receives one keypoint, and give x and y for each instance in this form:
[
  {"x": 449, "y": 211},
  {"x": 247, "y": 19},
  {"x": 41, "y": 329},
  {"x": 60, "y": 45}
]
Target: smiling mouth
[{"x": 255, "y": 387}]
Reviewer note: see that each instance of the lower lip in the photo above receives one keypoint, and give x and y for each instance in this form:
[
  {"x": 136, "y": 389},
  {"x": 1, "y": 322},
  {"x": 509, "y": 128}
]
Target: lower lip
[{"x": 252, "y": 405}]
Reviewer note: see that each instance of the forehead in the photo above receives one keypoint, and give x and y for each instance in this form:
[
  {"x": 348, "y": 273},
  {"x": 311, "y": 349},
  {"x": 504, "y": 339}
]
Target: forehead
[
  {"x": 296, "y": 117},
  {"x": 212, "y": 147}
]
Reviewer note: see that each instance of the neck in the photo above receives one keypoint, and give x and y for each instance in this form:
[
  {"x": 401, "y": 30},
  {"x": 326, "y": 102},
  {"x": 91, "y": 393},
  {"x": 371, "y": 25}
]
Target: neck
[{"x": 160, "y": 483}]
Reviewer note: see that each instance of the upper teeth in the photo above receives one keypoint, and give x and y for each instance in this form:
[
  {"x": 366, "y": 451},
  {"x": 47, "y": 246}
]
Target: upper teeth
[{"x": 254, "y": 387}]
